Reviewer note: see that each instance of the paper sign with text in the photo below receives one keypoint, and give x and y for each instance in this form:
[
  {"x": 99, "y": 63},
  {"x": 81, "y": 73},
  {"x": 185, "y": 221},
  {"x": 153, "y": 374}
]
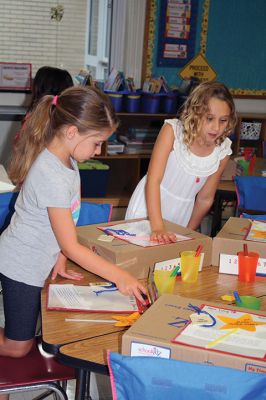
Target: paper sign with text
[
  {"x": 229, "y": 265},
  {"x": 170, "y": 265}
]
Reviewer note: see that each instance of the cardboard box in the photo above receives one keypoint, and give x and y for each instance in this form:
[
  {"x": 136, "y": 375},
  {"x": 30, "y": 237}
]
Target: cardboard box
[
  {"x": 152, "y": 335},
  {"x": 230, "y": 241},
  {"x": 139, "y": 260}
]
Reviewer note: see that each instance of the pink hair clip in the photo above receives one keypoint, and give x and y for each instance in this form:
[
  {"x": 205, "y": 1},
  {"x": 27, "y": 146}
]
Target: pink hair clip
[{"x": 54, "y": 102}]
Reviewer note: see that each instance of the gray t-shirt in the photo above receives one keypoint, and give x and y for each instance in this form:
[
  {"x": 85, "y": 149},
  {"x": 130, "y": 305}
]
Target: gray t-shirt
[{"x": 28, "y": 247}]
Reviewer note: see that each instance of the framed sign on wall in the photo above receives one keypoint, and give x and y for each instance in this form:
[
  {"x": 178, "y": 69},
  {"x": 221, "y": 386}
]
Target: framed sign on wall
[{"x": 15, "y": 76}]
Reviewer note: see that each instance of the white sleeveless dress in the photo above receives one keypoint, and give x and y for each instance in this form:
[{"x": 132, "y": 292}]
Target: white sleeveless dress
[{"x": 184, "y": 176}]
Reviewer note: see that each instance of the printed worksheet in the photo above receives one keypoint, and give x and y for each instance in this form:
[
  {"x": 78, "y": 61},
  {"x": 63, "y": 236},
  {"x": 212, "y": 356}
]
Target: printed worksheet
[
  {"x": 226, "y": 330},
  {"x": 97, "y": 298},
  {"x": 136, "y": 232}
]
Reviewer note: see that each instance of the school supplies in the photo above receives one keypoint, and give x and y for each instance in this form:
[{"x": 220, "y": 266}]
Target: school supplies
[{"x": 97, "y": 298}]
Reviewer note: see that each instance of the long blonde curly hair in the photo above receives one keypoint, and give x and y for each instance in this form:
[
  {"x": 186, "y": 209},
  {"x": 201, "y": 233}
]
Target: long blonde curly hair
[
  {"x": 86, "y": 108},
  {"x": 197, "y": 105}
]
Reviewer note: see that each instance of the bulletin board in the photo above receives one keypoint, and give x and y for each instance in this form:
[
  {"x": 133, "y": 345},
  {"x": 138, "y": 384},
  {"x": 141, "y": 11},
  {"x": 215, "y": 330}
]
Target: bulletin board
[
  {"x": 235, "y": 44},
  {"x": 230, "y": 34}
]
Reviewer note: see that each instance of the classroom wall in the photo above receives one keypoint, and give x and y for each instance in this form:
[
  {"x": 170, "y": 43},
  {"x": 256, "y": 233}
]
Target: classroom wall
[
  {"x": 29, "y": 35},
  {"x": 233, "y": 43}
]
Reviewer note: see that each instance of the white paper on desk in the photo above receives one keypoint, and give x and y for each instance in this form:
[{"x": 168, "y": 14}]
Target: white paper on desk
[
  {"x": 89, "y": 298},
  {"x": 136, "y": 232},
  {"x": 243, "y": 342}
]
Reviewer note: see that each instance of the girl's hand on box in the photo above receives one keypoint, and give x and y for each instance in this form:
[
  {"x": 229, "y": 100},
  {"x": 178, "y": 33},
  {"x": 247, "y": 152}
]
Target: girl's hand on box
[
  {"x": 163, "y": 237},
  {"x": 128, "y": 285}
]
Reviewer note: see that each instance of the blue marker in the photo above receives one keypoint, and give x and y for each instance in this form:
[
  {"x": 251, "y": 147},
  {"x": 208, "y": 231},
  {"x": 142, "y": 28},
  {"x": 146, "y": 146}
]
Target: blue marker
[{"x": 236, "y": 296}]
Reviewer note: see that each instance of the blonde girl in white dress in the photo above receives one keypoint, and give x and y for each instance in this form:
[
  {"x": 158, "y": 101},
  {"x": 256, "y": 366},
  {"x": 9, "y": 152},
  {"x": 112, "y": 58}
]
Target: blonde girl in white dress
[{"x": 187, "y": 162}]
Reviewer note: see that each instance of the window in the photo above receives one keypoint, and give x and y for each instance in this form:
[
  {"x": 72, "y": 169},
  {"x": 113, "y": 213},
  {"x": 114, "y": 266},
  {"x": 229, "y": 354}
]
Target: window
[{"x": 98, "y": 37}]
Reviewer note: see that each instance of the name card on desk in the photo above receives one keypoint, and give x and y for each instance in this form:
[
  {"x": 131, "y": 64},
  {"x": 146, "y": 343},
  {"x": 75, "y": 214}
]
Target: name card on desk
[{"x": 229, "y": 265}]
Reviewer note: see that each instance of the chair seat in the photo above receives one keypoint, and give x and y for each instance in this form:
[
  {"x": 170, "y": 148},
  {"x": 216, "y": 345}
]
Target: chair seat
[{"x": 36, "y": 367}]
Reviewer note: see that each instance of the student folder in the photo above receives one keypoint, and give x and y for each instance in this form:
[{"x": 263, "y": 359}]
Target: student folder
[{"x": 96, "y": 298}]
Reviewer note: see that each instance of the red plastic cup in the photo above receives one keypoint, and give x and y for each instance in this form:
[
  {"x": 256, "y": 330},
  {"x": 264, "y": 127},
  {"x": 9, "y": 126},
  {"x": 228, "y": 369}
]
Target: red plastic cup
[{"x": 247, "y": 266}]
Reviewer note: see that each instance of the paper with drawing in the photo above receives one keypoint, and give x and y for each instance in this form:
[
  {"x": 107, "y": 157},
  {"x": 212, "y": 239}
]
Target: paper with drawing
[
  {"x": 136, "y": 232},
  {"x": 257, "y": 231},
  {"x": 228, "y": 331},
  {"x": 105, "y": 298}
]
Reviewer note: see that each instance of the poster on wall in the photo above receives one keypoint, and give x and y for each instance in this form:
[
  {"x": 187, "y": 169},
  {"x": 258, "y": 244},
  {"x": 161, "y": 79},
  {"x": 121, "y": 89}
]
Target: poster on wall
[
  {"x": 177, "y": 32},
  {"x": 15, "y": 76}
]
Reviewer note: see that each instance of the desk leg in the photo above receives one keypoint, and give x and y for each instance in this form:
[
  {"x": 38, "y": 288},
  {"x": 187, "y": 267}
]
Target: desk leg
[{"x": 83, "y": 385}]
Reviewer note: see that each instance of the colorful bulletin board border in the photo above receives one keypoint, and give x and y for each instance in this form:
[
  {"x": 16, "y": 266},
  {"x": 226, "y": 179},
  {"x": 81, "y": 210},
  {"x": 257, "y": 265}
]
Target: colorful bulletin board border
[
  {"x": 176, "y": 32},
  {"x": 15, "y": 76}
]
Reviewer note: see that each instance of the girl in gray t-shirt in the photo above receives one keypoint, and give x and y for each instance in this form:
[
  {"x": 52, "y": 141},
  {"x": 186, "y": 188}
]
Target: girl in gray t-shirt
[{"x": 61, "y": 131}]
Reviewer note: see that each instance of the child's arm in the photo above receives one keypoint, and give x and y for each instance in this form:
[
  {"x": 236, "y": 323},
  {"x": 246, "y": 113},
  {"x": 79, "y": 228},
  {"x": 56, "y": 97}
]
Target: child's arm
[
  {"x": 162, "y": 148},
  {"x": 206, "y": 196},
  {"x": 65, "y": 232},
  {"x": 60, "y": 269}
]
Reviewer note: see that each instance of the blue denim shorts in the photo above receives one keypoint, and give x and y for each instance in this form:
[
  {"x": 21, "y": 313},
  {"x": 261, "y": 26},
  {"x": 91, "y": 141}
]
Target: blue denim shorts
[{"x": 21, "y": 307}]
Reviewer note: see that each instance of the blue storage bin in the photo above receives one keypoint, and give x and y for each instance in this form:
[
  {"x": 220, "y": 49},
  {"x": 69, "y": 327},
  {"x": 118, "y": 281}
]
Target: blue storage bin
[
  {"x": 169, "y": 103},
  {"x": 150, "y": 103},
  {"x": 133, "y": 102},
  {"x": 93, "y": 181},
  {"x": 117, "y": 99}
]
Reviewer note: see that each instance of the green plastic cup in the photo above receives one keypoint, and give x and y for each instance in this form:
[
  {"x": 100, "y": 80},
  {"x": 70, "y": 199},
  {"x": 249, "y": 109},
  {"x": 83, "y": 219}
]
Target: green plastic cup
[{"x": 249, "y": 302}]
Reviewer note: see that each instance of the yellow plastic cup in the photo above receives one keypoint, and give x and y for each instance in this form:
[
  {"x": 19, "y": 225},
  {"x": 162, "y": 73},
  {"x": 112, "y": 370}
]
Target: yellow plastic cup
[
  {"x": 165, "y": 283},
  {"x": 189, "y": 266}
]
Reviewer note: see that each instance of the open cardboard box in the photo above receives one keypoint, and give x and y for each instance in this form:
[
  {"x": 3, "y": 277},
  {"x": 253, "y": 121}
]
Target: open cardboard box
[
  {"x": 152, "y": 335},
  {"x": 139, "y": 260},
  {"x": 229, "y": 241}
]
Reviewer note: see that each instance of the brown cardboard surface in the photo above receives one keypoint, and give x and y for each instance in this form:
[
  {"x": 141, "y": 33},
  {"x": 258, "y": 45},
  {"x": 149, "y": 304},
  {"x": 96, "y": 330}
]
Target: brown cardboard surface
[
  {"x": 138, "y": 260},
  {"x": 230, "y": 240},
  {"x": 151, "y": 335}
]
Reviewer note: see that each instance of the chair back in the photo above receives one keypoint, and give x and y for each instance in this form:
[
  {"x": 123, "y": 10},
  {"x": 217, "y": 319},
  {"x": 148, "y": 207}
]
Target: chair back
[
  {"x": 251, "y": 194},
  {"x": 7, "y": 208},
  {"x": 93, "y": 213},
  {"x": 258, "y": 217},
  {"x": 155, "y": 378}
]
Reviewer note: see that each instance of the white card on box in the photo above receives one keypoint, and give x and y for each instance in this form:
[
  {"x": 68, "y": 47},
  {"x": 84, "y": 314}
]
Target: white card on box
[{"x": 229, "y": 265}]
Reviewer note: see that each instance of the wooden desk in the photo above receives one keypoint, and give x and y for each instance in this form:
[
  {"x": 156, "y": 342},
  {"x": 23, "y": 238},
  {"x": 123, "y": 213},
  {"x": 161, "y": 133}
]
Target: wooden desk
[{"x": 83, "y": 346}]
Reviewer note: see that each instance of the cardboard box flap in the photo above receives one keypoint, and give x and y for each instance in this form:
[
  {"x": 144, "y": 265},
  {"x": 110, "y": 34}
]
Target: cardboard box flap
[{"x": 234, "y": 228}]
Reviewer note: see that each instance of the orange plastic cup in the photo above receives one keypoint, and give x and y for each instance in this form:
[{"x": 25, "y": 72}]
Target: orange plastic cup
[{"x": 247, "y": 266}]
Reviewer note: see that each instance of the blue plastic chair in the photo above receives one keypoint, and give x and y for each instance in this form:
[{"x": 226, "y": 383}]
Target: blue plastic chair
[
  {"x": 93, "y": 213},
  {"x": 154, "y": 378},
  {"x": 258, "y": 217},
  {"x": 7, "y": 208},
  {"x": 251, "y": 194}
]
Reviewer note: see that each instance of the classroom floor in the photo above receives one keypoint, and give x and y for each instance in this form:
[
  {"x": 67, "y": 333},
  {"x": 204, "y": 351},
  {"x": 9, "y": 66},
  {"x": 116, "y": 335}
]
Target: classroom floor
[{"x": 100, "y": 386}]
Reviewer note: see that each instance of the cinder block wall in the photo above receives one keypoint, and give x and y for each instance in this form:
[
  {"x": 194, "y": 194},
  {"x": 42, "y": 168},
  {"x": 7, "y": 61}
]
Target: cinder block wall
[{"x": 29, "y": 35}]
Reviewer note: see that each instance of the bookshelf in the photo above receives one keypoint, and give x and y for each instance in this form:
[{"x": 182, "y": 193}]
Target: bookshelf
[
  {"x": 242, "y": 140},
  {"x": 127, "y": 169}
]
